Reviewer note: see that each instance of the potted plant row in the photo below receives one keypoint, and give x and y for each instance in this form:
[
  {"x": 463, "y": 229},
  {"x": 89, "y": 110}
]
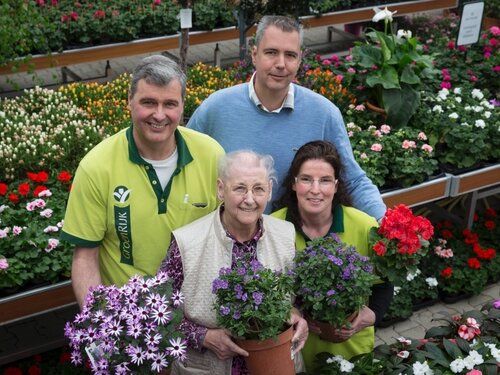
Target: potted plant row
[
  {"x": 465, "y": 343},
  {"x": 460, "y": 263}
]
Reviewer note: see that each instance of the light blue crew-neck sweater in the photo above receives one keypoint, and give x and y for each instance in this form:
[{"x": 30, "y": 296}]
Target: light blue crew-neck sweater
[{"x": 230, "y": 116}]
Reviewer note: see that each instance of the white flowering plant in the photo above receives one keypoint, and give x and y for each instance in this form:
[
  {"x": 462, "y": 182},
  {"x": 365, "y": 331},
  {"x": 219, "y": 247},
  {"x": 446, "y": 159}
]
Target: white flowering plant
[
  {"x": 131, "y": 329},
  {"x": 43, "y": 129},
  {"x": 390, "y": 66},
  {"x": 467, "y": 344},
  {"x": 31, "y": 215},
  {"x": 422, "y": 287},
  {"x": 463, "y": 126}
]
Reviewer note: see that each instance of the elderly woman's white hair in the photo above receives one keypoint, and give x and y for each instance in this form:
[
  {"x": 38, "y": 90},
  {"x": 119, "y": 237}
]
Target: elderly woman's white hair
[{"x": 227, "y": 161}]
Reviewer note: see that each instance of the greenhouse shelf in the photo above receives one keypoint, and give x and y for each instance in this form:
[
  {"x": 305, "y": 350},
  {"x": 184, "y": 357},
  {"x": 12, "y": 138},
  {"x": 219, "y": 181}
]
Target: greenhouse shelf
[
  {"x": 472, "y": 181},
  {"x": 425, "y": 192},
  {"x": 165, "y": 43},
  {"x": 36, "y": 301},
  {"x": 482, "y": 183}
]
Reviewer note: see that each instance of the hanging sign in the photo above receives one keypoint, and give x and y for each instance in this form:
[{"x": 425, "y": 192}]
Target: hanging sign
[
  {"x": 470, "y": 23},
  {"x": 186, "y": 17}
]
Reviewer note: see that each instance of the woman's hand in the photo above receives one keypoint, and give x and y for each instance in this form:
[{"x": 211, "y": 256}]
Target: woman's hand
[
  {"x": 301, "y": 330},
  {"x": 365, "y": 318},
  {"x": 219, "y": 341}
]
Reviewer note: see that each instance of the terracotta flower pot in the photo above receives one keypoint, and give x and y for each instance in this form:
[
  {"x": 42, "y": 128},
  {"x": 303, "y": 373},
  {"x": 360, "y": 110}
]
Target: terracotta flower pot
[
  {"x": 328, "y": 332},
  {"x": 270, "y": 357}
]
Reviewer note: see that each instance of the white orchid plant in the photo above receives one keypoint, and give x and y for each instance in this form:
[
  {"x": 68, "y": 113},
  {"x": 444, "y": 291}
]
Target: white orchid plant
[{"x": 393, "y": 66}]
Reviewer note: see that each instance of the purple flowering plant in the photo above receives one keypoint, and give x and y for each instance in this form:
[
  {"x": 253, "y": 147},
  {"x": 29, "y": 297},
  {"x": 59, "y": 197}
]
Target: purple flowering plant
[
  {"x": 252, "y": 301},
  {"x": 131, "y": 329},
  {"x": 332, "y": 280}
]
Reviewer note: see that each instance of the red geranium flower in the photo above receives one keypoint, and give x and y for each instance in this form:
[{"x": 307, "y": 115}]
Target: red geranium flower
[
  {"x": 470, "y": 237},
  {"x": 485, "y": 254},
  {"x": 42, "y": 176},
  {"x": 447, "y": 272},
  {"x": 34, "y": 370},
  {"x": 474, "y": 263},
  {"x": 13, "y": 371},
  {"x": 3, "y": 188},
  {"x": 490, "y": 224},
  {"x": 38, "y": 177},
  {"x": 99, "y": 14},
  {"x": 13, "y": 197},
  {"x": 490, "y": 212},
  {"x": 446, "y": 234},
  {"x": 379, "y": 248},
  {"x": 64, "y": 176},
  {"x": 38, "y": 190},
  {"x": 24, "y": 189},
  {"x": 401, "y": 240}
]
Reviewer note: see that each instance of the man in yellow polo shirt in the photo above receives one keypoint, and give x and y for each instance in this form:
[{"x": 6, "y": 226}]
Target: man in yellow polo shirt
[{"x": 135, "y": 187}]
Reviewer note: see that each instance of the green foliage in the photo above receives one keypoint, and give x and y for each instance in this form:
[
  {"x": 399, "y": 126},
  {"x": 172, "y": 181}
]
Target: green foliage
[
  {"x": 401, "y": 306},
  {"x": 211, "y": 14},
  {"x": 24, "y": 31},
  {"x": 392, "y": 67}
]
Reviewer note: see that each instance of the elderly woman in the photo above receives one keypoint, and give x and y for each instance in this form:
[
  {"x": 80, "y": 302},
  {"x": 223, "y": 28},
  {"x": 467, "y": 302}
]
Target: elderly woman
[
  {"x": 316, "y": 202},
  {"x": 236, "y": 229}
]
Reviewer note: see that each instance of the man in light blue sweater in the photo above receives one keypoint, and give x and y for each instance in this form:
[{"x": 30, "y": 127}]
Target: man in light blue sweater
[{"x": 271, "y": 115}]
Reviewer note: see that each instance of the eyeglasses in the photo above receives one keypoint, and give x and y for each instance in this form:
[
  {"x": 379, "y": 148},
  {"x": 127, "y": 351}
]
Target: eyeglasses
[
  {"x": 324, "y": 182},
  {"x": 242, "y": 190}
]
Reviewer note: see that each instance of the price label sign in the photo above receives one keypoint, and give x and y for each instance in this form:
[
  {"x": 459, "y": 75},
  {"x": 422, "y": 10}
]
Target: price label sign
[{"x": 470, "y": 23}]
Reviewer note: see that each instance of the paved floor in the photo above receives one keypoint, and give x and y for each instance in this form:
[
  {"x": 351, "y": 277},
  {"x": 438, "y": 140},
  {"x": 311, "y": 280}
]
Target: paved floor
[
  {"x": 421, "y": 320},
  {"x": 44, "y": 332}
]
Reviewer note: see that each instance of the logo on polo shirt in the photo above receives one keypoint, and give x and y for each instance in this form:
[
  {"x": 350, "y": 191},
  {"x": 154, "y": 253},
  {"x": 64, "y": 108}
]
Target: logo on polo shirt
[
  {"x": 123, "y": 224},
  {"x": 121, "y": 194}
]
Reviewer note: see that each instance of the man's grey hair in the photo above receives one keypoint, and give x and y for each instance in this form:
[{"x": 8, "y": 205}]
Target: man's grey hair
[
  {"x": 247, "y": 158},
  {"x": 157, "y": 70},
  {"x": 283, "y": 23}
]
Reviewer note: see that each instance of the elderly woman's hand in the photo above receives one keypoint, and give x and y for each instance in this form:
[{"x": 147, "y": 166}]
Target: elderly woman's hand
[
  {"x": 301, "y": 330},
  {"x": 219, "y": 341}
]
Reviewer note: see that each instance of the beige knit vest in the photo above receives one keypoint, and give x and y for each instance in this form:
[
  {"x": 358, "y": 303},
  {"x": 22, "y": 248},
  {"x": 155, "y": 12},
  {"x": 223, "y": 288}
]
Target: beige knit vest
[{"x": 205, "y": 248}]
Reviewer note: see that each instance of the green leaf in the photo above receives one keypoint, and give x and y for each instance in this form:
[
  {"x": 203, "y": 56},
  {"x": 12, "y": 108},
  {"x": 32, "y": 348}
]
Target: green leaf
[
  {"x": 452, "y": 349},
  {"x": 409, "y": 76},
  {"x": 435, "y": 353},
  {"x": 400, "y": 105},
  {"x": 384, "y": 45}
]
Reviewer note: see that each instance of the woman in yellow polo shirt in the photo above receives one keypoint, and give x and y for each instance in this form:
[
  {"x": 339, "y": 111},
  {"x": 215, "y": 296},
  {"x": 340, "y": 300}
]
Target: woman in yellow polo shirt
[{"x": 315, "y": 200}]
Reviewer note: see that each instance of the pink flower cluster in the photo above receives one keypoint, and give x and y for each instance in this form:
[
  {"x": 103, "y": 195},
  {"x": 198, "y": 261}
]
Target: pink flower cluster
[
  {"x": 441, "y": 251},
  {"x": 469, "y": 329}
]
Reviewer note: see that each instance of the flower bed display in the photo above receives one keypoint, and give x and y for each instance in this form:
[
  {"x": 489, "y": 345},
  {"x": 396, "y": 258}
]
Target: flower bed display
[
  {"x": 44, "y": 132},
  {"x": 465, "y": 343}
]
